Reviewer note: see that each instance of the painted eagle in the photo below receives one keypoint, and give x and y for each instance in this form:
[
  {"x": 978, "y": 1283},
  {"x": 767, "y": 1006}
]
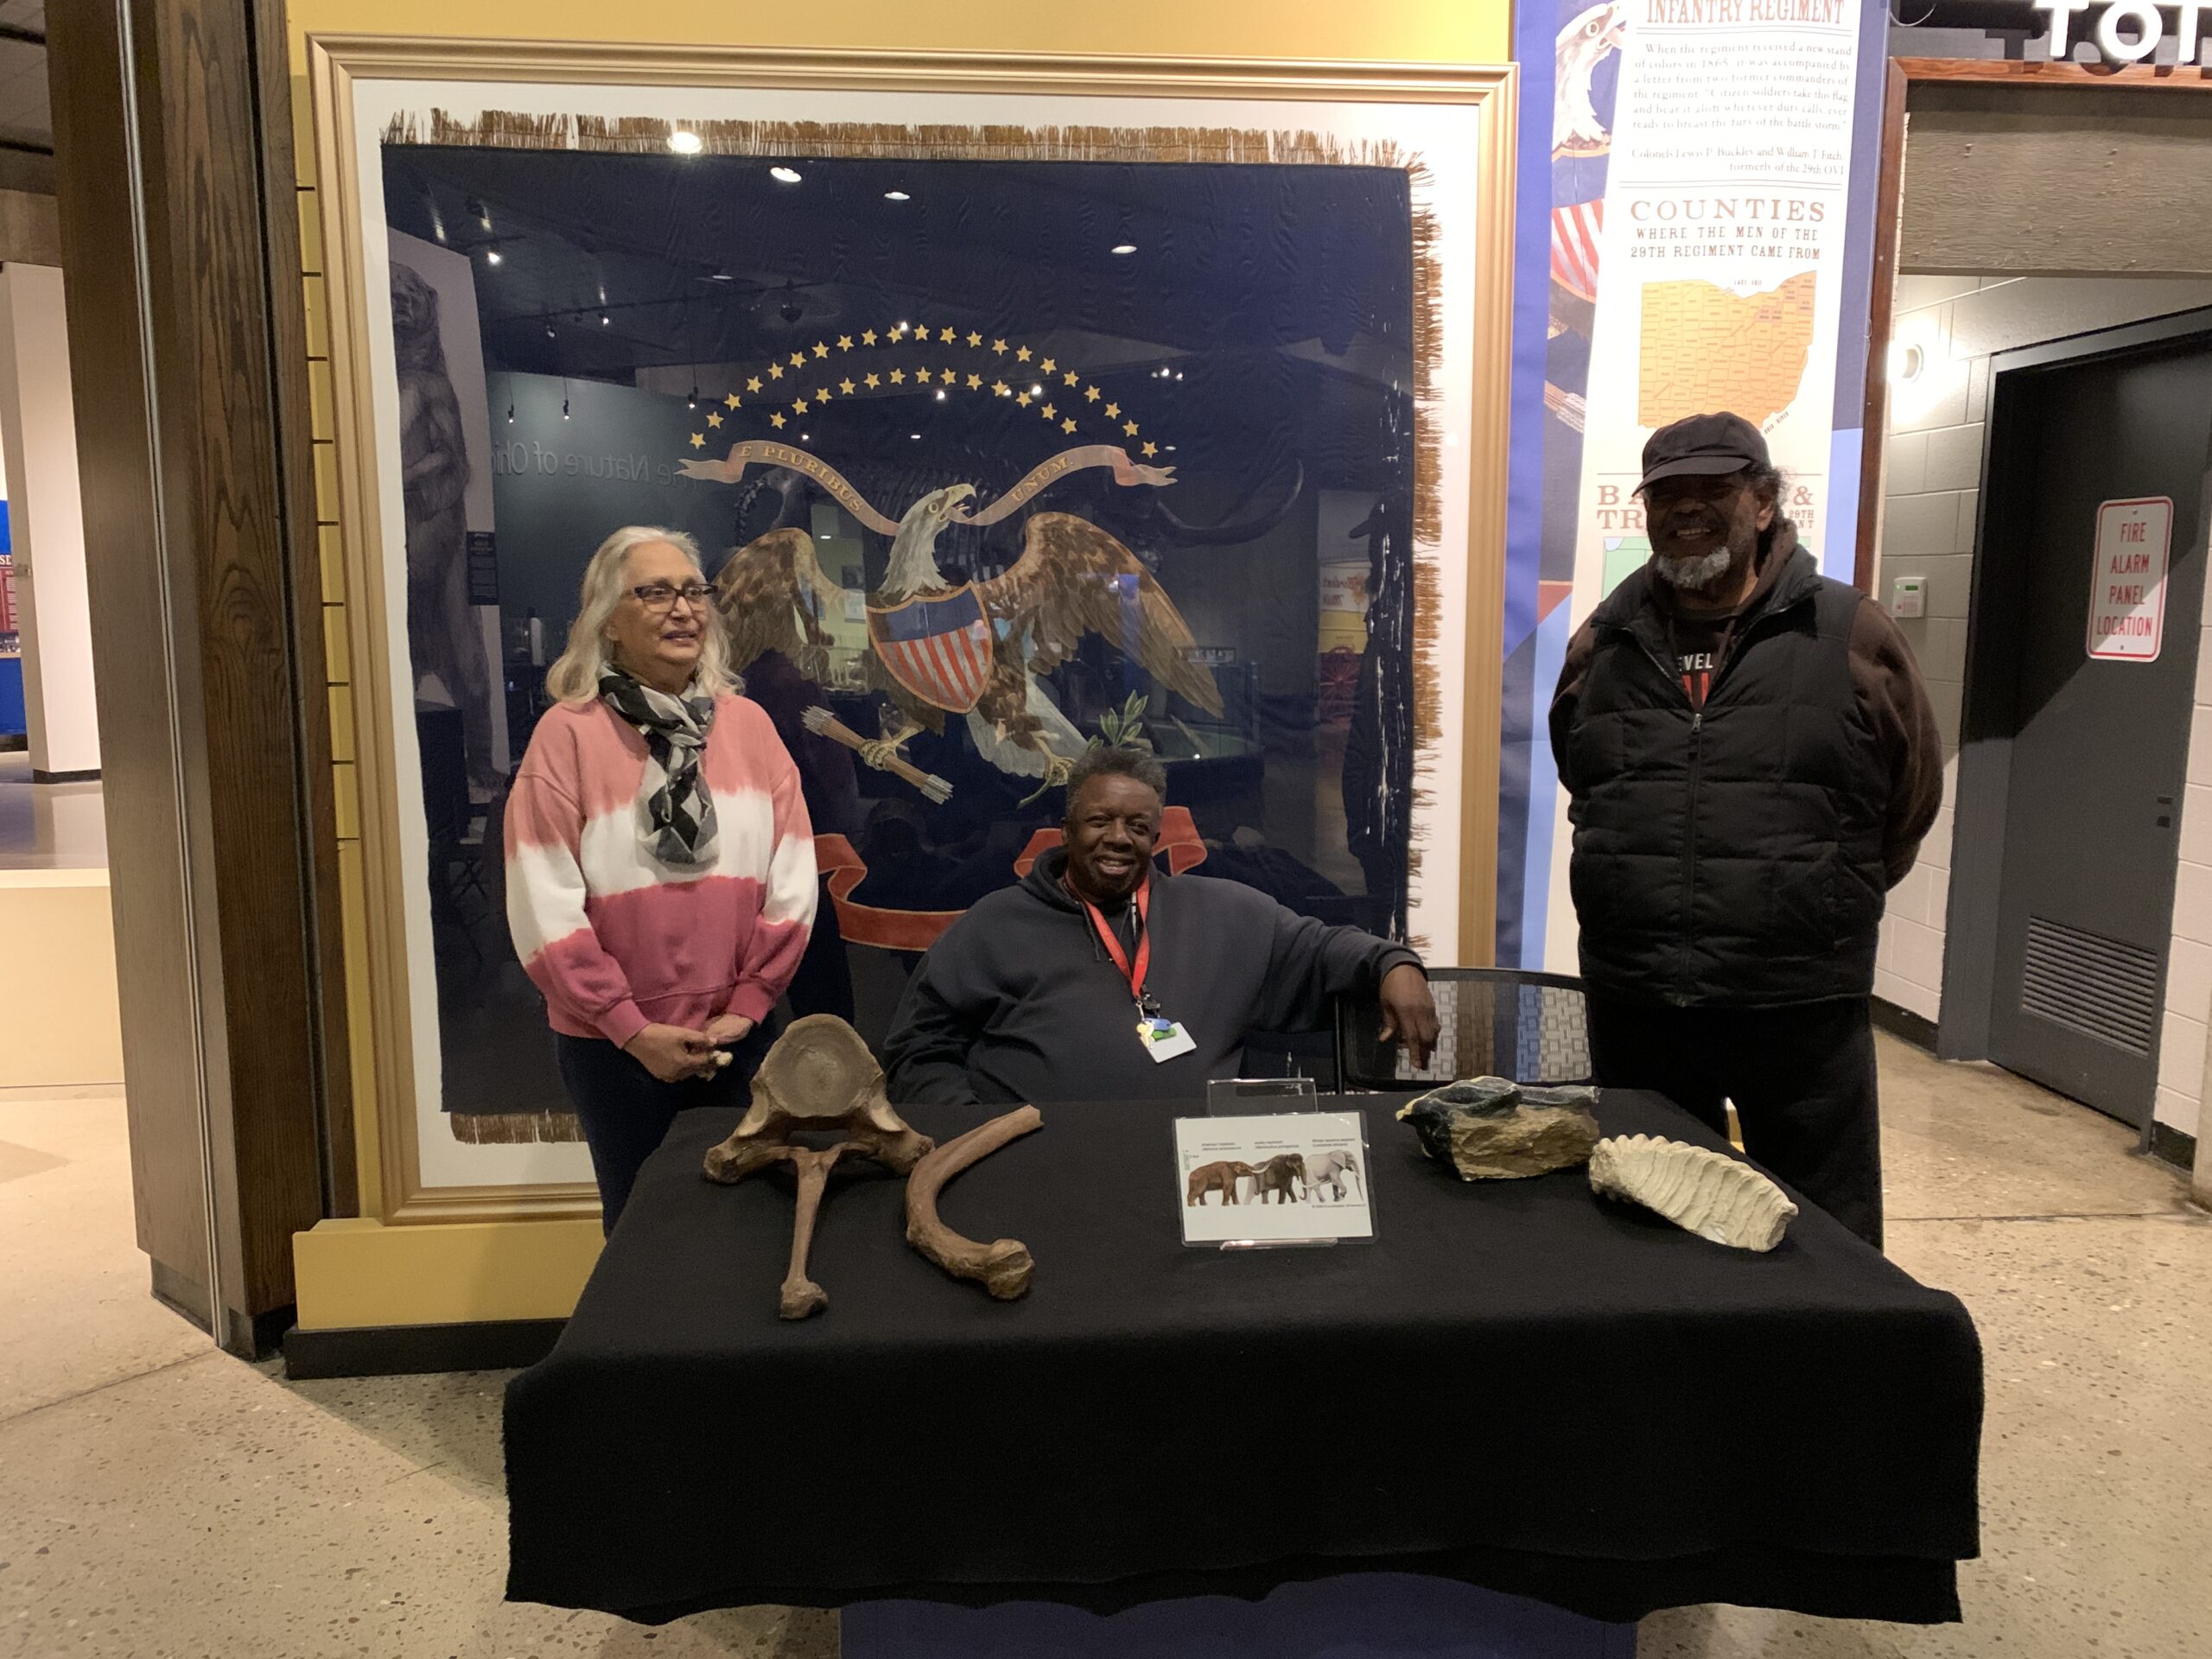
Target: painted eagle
[{"x": 940, "y": 647}]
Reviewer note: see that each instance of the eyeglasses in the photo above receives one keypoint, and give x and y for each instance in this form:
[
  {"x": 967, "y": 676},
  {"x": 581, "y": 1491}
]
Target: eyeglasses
[{"x": 659, "y": 596}]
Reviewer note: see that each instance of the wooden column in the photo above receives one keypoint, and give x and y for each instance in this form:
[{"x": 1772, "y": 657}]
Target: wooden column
[{"x": 180, "y": 241}]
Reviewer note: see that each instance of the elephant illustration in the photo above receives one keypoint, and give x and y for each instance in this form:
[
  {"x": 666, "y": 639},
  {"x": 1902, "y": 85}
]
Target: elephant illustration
[
  {"x": 1328, "y": 1173},
  {"x": 1282, "y": 1175},
  {"x": 1222, "y": 1177}
]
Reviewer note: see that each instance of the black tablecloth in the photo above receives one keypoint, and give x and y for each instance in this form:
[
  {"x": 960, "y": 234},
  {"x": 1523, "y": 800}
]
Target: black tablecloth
[{"x": 1514, "y": 1384}]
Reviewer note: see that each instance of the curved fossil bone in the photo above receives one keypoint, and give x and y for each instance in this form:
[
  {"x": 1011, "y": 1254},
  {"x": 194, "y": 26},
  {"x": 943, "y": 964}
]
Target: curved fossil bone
[{"x": 1002, "y": 1267}]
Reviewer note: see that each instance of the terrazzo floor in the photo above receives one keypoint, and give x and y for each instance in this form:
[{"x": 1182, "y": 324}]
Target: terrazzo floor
[{"x": 159, "y": 1498}]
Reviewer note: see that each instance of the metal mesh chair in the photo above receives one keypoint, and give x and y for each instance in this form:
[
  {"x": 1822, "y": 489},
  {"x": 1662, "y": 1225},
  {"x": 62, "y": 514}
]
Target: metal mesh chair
[{"x": 1492, "y": 1022}]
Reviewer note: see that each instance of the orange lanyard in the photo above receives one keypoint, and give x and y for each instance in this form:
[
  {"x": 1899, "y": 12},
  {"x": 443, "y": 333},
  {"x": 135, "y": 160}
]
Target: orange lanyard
[{"x": 1135, "y": 974}]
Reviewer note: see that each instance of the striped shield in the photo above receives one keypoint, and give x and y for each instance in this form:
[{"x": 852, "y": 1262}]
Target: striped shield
[
  {"x": 939, "y": 648},
  {"x": 1575, "y": 231}
]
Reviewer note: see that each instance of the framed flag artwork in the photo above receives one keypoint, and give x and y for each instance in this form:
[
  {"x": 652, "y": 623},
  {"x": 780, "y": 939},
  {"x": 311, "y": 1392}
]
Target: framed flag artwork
[{"x": 1019, "y": 404}]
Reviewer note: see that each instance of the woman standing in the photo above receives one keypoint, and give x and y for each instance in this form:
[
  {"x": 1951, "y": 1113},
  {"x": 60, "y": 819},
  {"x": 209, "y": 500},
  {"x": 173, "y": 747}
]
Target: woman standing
[{"x": 660, "y": 867}]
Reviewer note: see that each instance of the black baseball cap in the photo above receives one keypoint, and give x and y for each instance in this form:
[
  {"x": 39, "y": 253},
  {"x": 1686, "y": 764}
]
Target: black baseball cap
[{"x": 1701, "y": 444}]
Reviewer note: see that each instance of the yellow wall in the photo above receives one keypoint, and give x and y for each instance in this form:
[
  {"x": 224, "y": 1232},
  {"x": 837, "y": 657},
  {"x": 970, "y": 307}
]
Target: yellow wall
[
  {"x": 359, "y": 1273},
  {"x": 59, "y": 1020}
]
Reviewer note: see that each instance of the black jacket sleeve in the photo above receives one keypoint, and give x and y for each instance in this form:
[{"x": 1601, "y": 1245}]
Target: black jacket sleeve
[
  {"x": 1310, "y": 965},
  {"x": 939, "y": 1019}
]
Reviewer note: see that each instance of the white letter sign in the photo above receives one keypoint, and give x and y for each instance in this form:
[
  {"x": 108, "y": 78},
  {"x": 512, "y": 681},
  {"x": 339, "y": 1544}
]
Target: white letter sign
[{"x": 2127, "y": 579}]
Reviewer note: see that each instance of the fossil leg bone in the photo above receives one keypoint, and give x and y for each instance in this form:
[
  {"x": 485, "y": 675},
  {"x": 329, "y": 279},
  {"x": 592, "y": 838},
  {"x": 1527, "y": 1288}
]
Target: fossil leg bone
[
  {"x": 800, "y": 1296},
  {"x": 1002, "y": 1267}
]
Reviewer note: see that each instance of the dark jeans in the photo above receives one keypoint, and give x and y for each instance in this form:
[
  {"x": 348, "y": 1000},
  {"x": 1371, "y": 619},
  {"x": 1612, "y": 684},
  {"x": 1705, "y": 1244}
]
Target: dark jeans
[
  {"x": 625, "y": 1110},
  {"x": 1801, "y": 1077}
]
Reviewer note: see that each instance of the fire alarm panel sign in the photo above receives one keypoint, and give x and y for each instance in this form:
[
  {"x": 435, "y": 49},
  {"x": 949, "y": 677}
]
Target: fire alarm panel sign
[{"x": 2127, "y": 579}]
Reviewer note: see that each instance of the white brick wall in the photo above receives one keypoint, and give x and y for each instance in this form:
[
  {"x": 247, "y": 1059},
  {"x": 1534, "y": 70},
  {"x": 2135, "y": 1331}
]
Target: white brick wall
[{"x": 1931, "y": 471}]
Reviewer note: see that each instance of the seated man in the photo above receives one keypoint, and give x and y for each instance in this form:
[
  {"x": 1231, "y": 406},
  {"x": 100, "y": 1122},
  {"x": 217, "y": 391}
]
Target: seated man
[{"x": 1100, "y": 978}]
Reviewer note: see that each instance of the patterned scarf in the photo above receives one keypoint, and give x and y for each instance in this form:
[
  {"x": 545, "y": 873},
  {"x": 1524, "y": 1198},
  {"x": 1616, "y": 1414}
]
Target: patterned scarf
[{"x": 676, "y": 812}]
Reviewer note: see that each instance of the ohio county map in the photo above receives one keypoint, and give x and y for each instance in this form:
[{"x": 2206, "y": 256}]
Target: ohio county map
[{"x": 1703, "y": 348}]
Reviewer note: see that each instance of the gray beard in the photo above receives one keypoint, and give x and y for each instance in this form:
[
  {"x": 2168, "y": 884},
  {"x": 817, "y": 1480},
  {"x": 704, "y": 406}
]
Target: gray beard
[{"x": 1695, "y": 575}]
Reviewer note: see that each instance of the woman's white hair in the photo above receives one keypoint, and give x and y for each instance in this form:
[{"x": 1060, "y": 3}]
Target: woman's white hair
[{"x": 575, "y": 674}]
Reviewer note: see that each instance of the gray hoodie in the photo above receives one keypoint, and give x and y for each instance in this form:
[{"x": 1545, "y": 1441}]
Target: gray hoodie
[{"x": 1018, "y": 1002}]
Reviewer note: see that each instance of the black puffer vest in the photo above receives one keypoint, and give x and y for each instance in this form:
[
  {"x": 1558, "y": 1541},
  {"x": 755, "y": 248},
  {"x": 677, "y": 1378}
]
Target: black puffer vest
[{"x": 1731, "y": 855}]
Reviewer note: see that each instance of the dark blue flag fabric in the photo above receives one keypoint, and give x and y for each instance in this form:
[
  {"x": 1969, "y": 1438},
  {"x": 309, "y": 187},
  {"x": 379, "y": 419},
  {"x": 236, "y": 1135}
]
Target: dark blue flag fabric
[{"x": 990, "y": 460}]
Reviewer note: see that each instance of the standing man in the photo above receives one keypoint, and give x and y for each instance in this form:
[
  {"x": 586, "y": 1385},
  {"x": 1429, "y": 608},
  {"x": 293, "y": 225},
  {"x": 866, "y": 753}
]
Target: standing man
[
  {"x": 1752, "y": 763},
  {"x": 1100, "y": 978}
]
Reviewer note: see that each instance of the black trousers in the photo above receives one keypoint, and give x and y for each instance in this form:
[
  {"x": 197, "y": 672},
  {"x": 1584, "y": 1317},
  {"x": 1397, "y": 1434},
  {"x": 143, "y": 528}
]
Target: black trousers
[
  {"x": 626, "y": 1111},
  {"x": 1801, "y": 1079}
]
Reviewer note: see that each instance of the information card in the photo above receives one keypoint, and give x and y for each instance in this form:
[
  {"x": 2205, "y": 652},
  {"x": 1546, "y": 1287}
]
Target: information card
[{"x": 1284, "y": 1178}]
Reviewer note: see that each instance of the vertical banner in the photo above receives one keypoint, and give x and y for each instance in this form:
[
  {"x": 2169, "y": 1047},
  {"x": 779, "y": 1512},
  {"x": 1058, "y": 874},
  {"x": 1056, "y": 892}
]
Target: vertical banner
[
  {"x": 1705, "y": 243},
  {"x": 1720, "y": 274}
]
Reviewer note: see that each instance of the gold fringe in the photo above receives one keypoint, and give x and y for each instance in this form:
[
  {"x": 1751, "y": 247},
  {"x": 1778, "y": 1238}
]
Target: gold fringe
[
  {"x": 794, "y": 140},
  {"x": 514, "y": 1128}
]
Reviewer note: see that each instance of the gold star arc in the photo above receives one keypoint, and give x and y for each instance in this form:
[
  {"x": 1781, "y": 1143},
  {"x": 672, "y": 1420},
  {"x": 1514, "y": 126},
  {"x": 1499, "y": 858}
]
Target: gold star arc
[
  {"x": 1067, "y": 426},
  {"x": 898, "y": 377},
  {"x": 698, "y": 440},
  {"x": 777, "y": 420},
  {"x": 845, "y": 386},
  {"x": 974, "y": 383},
  {"x": 800, "y": 404},
  {"x": 974, "y": 339},
  {"x": 867, "y": 337},
  {"x": 798, "y": 359},
  {"x": 1131, "y": 427},
  {"x": 946, "y": 335},
  {"x": 873, "y": 382},
  {"x": 752, "y": 382},
  {"x": 820, "y": 350},
  {"x": 1021, "y": 354},
  {"x": 714, "y": 418},
  {"x": 1090, "y": 394},
  {"x": 844, "y": 342},
  {"x": 947, "y": 376},
  {"x": 998, "y": 346},
  {"x": 1151, "y": 448},
  {"x": 775, "y": 370},
  {"x": 733, "y": 400}
]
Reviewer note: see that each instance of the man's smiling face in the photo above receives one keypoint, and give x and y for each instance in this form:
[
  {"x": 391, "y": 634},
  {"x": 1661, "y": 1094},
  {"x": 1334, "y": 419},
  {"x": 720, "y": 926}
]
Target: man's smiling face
[{"x": 1705, "y": 529}]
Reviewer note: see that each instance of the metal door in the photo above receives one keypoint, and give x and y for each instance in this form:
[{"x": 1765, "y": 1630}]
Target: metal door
[{"x": 2099, "y": 726}]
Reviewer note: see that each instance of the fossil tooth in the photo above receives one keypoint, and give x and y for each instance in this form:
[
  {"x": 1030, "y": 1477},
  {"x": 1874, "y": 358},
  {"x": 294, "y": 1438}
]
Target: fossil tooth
[{"x": 1706, "y": 1192}]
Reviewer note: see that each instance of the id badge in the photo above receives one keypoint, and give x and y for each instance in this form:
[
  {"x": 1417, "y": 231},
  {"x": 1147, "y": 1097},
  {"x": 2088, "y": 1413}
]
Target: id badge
[{"x": 1163, "y": 1038}]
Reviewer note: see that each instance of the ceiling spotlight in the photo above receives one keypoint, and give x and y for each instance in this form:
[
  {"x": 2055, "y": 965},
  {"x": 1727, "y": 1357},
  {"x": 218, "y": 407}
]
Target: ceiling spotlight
[
  {"x": 479, "y": 212},
  {"x": 604, "y": 319},
  {"x": 551, "y": 332},
  {"x": 826, "y": 537},
  {"x": 492, "y": 256},
  {"x": 784, "y": 174},
  {"x": 1124, "y": 247},
  {"x": 915, "y": 435},
  {"x": 565, "y": 409},
  {"x": 721, "y": 277},
  {"x": 900, "y": 329},
  {"x": 940, "y": 395},
  {"x": 684, "y": 144},
  {"x": 806, "y": 438},
  {"x": 692, "y": 402},
  {"x": 896, "y": 195},
  {"x": 510, "y": 414},
  {"x": 1036, "y": 391}
]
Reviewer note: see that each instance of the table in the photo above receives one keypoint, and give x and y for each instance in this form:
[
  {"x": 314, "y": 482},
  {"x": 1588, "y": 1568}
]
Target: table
[{"x": 1516, "y": 1386}]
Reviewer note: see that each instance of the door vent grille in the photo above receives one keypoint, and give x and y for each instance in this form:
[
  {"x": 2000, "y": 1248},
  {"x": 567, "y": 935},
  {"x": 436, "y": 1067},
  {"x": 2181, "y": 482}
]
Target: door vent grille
[{"x": 2099, "y": 987}]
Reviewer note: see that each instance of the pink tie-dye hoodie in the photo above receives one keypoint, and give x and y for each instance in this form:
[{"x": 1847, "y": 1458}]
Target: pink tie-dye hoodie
[{"x": 617, "y": 940}]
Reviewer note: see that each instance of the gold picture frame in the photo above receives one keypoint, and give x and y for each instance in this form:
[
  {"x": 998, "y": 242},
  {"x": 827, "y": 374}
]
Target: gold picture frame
[{"x": 502, "y": 74}]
